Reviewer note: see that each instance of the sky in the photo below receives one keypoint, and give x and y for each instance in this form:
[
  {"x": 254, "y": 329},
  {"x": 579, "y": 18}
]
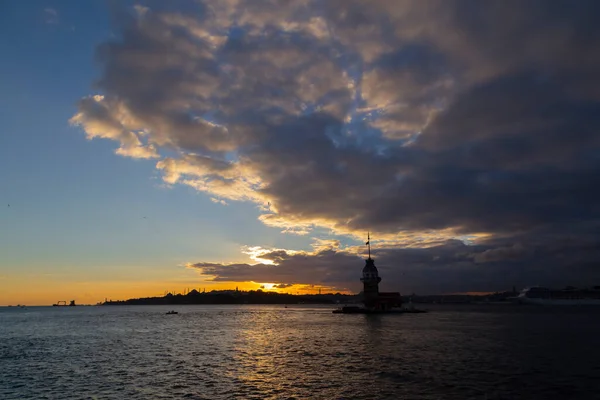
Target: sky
[{"x": 152, "y": 146}]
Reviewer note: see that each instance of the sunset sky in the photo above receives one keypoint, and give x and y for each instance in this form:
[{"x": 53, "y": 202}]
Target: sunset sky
[{"x": 155, "y": 146}]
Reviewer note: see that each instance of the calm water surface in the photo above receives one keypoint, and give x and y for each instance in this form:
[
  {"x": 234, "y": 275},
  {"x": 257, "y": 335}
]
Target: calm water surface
[{"x": 272, "y": 352}]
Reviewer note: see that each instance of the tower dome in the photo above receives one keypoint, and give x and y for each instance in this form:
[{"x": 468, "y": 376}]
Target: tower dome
[
  {"x": 369, "y": 272},
  {"x": 369, "y": 266}
]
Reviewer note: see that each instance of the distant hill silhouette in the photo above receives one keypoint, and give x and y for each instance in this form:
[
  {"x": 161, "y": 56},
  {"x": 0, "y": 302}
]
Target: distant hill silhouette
[
  {"x": 266, "y": 297},
  {"x": 239, "y": 297}
]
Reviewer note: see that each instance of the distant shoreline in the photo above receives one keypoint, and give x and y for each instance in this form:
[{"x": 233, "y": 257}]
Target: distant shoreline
[
  {"x": 237, "y": 297},
  {"x": 225, "y": 297},
  {"x": 264, "y": 297}
]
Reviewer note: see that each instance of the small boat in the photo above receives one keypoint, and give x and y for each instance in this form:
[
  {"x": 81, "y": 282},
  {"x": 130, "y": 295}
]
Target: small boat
[
  {"x": 63, "y": 303},
  {"x": 172, "y": 312}
]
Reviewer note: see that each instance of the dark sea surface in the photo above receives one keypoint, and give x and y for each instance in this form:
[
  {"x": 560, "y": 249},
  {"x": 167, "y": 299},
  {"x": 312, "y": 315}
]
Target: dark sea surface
[{"x": 272, "y": 352}]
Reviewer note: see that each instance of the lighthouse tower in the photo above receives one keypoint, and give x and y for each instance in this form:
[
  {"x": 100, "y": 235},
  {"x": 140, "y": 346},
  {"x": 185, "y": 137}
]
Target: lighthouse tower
[{"x": 370, "y": 279}]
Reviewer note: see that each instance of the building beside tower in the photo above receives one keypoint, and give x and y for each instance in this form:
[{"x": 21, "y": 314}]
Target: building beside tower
[{"x": 373, "y": 299}]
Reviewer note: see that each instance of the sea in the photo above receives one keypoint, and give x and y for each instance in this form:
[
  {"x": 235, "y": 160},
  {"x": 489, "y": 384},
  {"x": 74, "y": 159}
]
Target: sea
[{"x": 299, "y": 352}]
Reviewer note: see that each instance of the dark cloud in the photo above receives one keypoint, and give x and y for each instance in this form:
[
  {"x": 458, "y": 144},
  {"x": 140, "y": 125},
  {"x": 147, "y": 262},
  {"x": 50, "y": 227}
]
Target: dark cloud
[
  {"x": 450, "y": 267},
  {"x": 282, "y": 286},
  {"x": 429, "y": 118},
  {"x": 292, "y": 268},
  {"x": 503, "y": 254}
]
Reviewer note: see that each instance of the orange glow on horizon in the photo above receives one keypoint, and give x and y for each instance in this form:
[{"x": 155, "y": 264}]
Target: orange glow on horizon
[
  {"x": 301, "y": 289},
  {"x": 47, "y": 292}
]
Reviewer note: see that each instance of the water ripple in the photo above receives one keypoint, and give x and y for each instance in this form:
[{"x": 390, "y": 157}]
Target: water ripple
[{"x": 268, "y": 352}]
